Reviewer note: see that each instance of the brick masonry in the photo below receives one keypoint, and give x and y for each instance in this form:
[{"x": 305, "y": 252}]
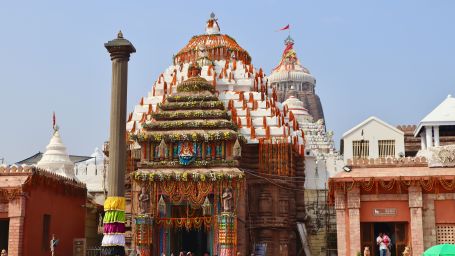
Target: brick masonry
[{"x": 16, "y": 226}]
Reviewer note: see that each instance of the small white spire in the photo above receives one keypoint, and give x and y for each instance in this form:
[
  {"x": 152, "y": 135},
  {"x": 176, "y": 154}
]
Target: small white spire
[{"x": 56, "y": 158}]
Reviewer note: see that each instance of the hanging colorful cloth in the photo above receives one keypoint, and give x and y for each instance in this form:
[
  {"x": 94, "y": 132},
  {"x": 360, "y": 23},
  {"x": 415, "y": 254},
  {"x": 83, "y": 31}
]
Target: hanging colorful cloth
[{"x": 113, "y": 242}]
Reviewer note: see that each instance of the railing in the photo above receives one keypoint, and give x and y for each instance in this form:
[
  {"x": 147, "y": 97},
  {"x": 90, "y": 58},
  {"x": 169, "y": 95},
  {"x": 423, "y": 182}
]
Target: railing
[{"x": 96, "y": 251}]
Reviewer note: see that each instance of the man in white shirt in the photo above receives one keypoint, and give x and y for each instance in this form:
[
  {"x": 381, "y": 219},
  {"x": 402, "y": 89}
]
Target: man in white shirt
[{"x": 382, "y": 245}]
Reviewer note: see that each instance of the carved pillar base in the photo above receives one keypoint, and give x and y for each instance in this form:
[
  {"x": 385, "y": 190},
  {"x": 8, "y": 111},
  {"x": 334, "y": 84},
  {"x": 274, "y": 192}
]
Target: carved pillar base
[
  {"x": 227, "y": 234},
  {"x": 143, "y": 239}
]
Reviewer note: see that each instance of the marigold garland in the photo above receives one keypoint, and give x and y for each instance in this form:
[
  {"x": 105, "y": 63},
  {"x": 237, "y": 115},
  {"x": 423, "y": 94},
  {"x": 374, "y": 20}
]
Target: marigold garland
[
  {"x": 427, "y": 185},
  {"x": 191, "y": 104},
  {"x": 447, "y": 185},
  {"x": 368, "y": 186},
  {"x": 207, "y": 136},
  {"x": 187, "y": 223},
  {"x": 387, "y": 186},
  {"x": 174, "y": 125},
  {"x": 191, "y": 114},
  {"x": 195, "y": 98}
]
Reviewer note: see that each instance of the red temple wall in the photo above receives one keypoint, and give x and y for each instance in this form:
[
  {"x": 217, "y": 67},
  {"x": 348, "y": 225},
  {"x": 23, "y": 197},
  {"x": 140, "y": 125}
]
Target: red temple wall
[
  {"x": 444, "y": 211},
  {"x": 67, "y": 220}
]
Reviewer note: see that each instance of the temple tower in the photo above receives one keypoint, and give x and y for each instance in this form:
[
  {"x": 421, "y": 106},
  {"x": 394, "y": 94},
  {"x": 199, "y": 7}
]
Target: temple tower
[{"x": 291, "y": 74}]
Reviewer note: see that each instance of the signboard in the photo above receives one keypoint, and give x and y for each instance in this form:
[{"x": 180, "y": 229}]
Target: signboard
[
  {"x": 260, "y": 249},
  {"x": 385, "y": 211},
  {"x": 79, "y": 247}
]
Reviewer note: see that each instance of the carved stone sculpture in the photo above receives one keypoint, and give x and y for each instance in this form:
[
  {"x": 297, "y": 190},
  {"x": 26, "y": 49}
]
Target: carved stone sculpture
[
  {"x": 227, "y": 200},
  {"x": 144, "y": 200}
]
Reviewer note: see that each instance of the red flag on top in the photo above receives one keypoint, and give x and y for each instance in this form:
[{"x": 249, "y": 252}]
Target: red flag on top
[
  {"x": 53, "y": 121},
  {"x": 284, "y": 28}
]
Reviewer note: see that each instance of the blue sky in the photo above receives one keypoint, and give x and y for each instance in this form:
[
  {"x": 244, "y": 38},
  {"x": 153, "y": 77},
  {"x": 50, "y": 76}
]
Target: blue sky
[{"x": 391, "y": 59}]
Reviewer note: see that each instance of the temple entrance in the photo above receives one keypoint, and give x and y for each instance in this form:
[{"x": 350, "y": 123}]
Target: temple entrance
[
  {"x": 193, "y": 240},
  {"x": 4, "y": 229},
  {"x": 397, "y": 231}
]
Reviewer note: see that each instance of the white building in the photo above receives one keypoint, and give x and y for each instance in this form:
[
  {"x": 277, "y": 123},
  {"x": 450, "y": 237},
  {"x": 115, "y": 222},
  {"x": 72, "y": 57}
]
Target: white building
[
  {"x": 373, "y": 138},
  {"x": 440, "y": 120},
  {"x": 93, "y": 173}
]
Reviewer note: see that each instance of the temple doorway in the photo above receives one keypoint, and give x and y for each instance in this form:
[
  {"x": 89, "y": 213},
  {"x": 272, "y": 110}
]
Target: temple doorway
[
  {"x": 4, "y": 229},
  {"x": 397, "y": 231},
  {"x": 193, "y": 240}
]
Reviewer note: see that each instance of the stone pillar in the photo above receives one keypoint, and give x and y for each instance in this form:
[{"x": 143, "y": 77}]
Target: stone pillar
[
  {"x": 340, "y": 207},
  {"x": 120, "y": 50},
  {"x": 114, "y": 218},
  {"x": 242, "y": 240},
  {"x": 423, "y": 141},
  {"x": 429, "y": 136},
  {"x": 354, "y": 220},
  {"x": 16, "y": 214},
  {"x": 436, "y": 136},
  {"x": 415, "y": 206}
]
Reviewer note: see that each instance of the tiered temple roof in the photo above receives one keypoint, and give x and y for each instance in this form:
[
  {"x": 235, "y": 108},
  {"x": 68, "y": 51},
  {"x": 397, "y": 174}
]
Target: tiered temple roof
[
  {"x": 191, "y": 128},
  {"x": 249, "y": 100}
]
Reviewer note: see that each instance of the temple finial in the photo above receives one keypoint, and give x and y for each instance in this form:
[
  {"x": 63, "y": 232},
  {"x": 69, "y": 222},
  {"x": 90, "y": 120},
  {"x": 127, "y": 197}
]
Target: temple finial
[
  {"x": 54, "y": 123},
  {"x": 119, "y": 34}
]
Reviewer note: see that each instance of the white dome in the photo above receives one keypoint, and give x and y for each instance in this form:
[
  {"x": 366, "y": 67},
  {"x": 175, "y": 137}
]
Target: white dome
[
  {"x": 293, "y": 75},
  {"x": 56, "y": 159},
  {"x": 296, "y": 107}
]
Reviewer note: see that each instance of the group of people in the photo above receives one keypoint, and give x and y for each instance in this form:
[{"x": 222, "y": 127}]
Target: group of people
[
  {"x": 187, "y": 254},
  {"x": 385, "y": 244}
]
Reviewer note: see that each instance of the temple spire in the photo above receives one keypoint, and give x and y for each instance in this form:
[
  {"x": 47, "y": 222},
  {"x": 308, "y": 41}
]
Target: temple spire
[{"x": 212, "y": 26}]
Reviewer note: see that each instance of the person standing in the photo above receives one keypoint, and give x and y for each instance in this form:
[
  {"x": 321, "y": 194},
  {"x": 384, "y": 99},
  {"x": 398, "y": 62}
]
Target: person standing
[
  {"x": 4, "y": 253},
  {"x": 381, "y": 244},
  {"x": 388, "y": 243}
]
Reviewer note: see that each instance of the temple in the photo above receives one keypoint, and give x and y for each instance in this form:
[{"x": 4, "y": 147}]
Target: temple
[
  {"x": 39, "y": 198},
  {"x": 213, "y": 125}
]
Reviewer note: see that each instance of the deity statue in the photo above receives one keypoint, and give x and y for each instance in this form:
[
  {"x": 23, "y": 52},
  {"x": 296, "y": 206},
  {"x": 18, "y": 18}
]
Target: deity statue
[
  {"x": 187, "y": 152},
  {"x": 227, "y": 200},
  {"x": 208, "y": 154},
  {"x": 218, "y": 150},
  {"x": 144, "y": 199},
  {"x": 186, "y": 149}
]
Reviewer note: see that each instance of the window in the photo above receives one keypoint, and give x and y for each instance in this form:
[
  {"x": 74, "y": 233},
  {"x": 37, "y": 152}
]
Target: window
[
  {"x": 360, "y": 148},
  {"x": 445, "y": 234},
  {"x": 386, "y": 148},
  {"x": 46, "y": 232}
]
